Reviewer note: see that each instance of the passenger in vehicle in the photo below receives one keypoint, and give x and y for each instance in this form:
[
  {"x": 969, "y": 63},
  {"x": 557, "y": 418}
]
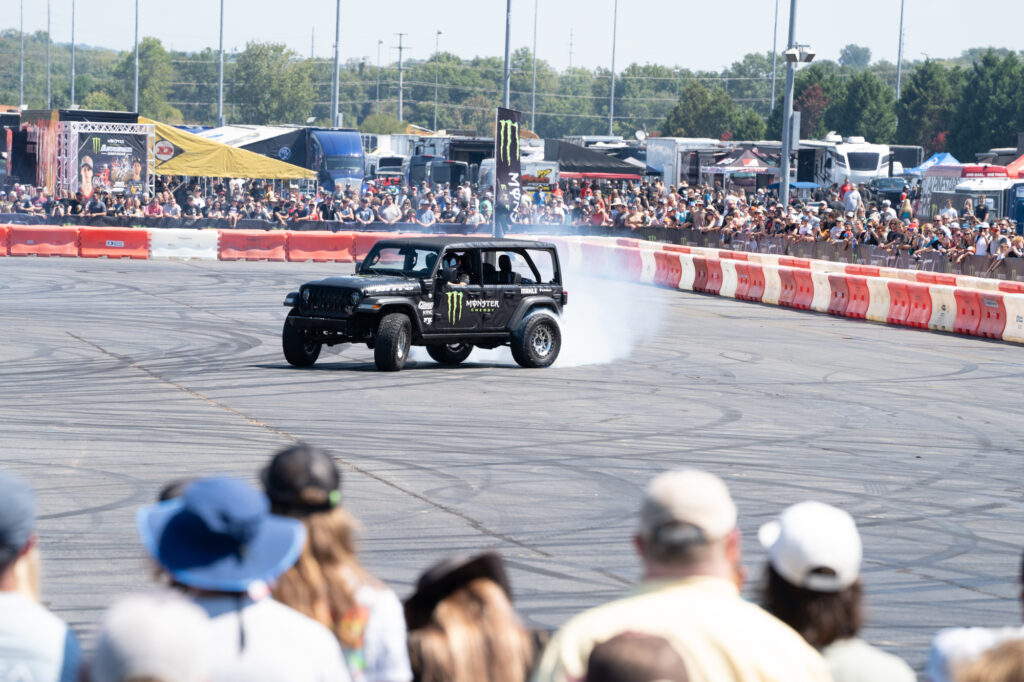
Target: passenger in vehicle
[{"x": 505, "y": 274}]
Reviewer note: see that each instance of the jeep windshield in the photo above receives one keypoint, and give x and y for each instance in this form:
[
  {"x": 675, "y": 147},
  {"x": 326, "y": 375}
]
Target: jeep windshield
[{"x": 399, "y": 261}]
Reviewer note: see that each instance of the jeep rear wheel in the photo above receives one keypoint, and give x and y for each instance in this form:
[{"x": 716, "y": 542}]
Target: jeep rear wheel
[
  {"x": 298, "y": 351},
  {"x": 537, "y": 341},
  {"x": 450, "y": 353},
  {"x": 391, "y": 348}
]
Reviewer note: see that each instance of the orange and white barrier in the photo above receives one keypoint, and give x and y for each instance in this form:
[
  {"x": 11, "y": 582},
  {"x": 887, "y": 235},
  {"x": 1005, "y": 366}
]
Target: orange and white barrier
[{"x": 4, "y": 229}]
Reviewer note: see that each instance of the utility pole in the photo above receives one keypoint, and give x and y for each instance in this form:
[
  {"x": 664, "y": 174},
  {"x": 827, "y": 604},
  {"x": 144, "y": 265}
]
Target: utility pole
[
  {"x": 787, "y": 113},
  {"x": 379, "y": 43},
  {"x": 775, "y": 54},
  {"x": 72, "y": 52},
  {"x": 570, "y": 48},
  {"x": 49, "y": 41},
  {"x": 611, "y": 98},
  {"x": 533, "y": 90},
  {"x": 507, "y": 79},
  {"x": 337, "y": 66},
  {"x": 220, "y": 71},
  {"x": 437, "y": 67},
  {"x": 899, "y": 56},
  {"x": 21, "y": 32},
  {"x": 312, "y": 43},
  {"x": 135, "y": 100},
  {"x": 400, "y": 74}
]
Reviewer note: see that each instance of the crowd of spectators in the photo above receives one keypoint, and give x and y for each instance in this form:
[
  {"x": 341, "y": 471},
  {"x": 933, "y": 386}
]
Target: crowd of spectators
[
  {"x": 845, "y": 215},
  {"x": 266, "y": 585}
]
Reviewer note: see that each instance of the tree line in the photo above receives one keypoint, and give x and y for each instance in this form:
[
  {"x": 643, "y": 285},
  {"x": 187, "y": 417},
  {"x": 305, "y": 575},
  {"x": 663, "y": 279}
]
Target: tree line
[{"x": 962, "y": 105}]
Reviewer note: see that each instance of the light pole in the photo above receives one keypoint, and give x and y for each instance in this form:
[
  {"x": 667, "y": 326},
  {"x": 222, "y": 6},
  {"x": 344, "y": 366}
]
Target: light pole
[
  {"x": 899, "y": 56},
  {"x": 135, "y": 101},
  {"x": 21, "y": 32},
  {"x": 437, "y": 67},
  {"x": 401, "y": 81},
  {"x": 611, "y": 97},
  {"x": 220, "y": 71},
  {"x": 379, "y": 43},
  {"x": 48, "y": 43},
  {"x": 72, "y": 52},
  {"x": 794, "y": 53},
  {"x": 337, "y": 67},
  {"x": 533, "y": 89},
  {"x": 507, "y": 79},
  {"x": 775, "y": 54}
]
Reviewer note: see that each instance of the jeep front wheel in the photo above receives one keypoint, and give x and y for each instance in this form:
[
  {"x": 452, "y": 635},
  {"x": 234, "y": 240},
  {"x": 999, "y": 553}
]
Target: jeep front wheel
[
  {"x": 297, "y": 350},
  {"x": 537, "y": 341},
  {"x": 450, "y": 353},
  {"x": 391, "y": 347}
]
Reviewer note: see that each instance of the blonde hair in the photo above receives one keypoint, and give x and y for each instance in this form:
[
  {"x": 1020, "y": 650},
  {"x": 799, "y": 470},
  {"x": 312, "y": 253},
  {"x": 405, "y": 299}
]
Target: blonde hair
[
  {"x": 1004, "y": 663},
  {"x": 323, "y": 582},
  {"x": 474, "y": 634},
  {"x": 26, "y": 574}
]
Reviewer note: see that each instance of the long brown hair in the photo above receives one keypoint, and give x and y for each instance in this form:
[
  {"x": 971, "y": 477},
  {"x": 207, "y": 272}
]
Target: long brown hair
[
  {"x": 820, "y": 617},
  {"x": 473, "y": 635}
]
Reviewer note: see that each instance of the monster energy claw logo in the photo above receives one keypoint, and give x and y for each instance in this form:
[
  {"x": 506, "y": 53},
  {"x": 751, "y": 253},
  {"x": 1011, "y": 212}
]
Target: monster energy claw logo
[
  {"x": 454, "y": 299},
  {"x": 508, "y": 131},
  {"x": 95, "y": 145}
]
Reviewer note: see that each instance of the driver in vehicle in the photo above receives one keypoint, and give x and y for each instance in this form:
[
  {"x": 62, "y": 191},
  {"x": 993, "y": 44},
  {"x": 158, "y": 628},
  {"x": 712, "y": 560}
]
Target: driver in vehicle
[{"x": 459, "y": 262}]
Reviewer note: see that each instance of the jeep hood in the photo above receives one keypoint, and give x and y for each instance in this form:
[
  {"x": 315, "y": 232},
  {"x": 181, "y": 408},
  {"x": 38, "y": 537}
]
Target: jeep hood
[{"x": 371, "y": 284}]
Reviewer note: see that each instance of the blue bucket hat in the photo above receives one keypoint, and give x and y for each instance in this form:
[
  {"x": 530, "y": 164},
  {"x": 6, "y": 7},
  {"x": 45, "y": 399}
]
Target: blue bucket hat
[
  {"x": 17, "y": 516},
  {"x": 220, "y": 536}
]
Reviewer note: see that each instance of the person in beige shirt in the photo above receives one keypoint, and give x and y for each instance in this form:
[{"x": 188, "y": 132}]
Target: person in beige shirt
[{"x": 690, "y": 547}]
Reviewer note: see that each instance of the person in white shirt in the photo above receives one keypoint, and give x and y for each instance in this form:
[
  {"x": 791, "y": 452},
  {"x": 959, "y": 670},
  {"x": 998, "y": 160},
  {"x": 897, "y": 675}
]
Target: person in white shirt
[
  {"x": 221, "y": 546},
  {"x": 852, "y": 201}
]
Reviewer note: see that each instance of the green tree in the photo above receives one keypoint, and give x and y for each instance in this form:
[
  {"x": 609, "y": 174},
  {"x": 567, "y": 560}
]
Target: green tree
[
  {"x": 701, "y": 112},
  {"x": 826, "y": 76},
  {"x": 156, "y": 74},
  {"x": 989, "y": 112},
  {"x": 271, "y": 85},
  {"x": 926, "y": 105},
  {"x": 866, "y": 109},
  {"x": 750, "y": 80},
  {"x": 855, "y": 57},
  {"x": 748, "y": 125},
  {"x": 381, "y": 124}
]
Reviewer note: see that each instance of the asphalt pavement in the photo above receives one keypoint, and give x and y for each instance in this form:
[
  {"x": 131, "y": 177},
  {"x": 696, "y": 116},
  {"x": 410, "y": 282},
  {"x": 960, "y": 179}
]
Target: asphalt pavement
[{"x": 119, "y": 376}]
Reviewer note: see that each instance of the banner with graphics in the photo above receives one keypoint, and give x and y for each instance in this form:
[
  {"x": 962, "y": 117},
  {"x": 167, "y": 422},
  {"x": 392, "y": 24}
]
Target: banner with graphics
[
  {"x": 507, "y": 172},
  {"x": 113, "y": 162}
]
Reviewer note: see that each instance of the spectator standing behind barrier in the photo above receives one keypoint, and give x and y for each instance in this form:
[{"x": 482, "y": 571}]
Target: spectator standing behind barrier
[
  {"x": 635, "y": 657},
  {"x": 219, "y": 543},
  {"x": 328, "y": 583},
  {"x": 159, "y": 637},
  {"x": 462, "y": 626},
  {"x": 35, "y": 645},
  {"x": 690, "y": 546},
  {"x": 1003, "y": 663},
  {"x": 812, "y": 583}
]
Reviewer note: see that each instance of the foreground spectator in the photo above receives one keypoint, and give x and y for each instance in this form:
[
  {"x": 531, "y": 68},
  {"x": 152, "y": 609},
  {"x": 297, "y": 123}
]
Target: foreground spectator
[
  {"x": 328, "y": 583},
  {"x": 690, "y": 547},
  {"x": 1004, "y": 663},
  {"x": 35, "y": 645},
  {"x": 219, "y": 543},
  {"x": 159, "y": 637},
  {"x": 635, "y": 657},
  {"x": 813, "y": 584},
  {"x": 462, "y": 626}
]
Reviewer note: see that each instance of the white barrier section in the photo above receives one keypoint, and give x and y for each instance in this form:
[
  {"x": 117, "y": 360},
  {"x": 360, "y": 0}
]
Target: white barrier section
[
  {"x": 878, "y": 308},
  {"x": 182, "y": 243},
  {"x": 650, "y": 267},
  {"x": 1014, "y": 318},
  {"x": 827, "y": 266},
  {"x": 689, "y": 271},
  {"x": 772, "y": 284},
  {"x": 730, "y": 280},
  {"x": 943, "y": 307},
  {"x": 822, "y": 291}
]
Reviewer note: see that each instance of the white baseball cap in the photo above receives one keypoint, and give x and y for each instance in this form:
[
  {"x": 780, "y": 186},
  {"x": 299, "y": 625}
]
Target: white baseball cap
[{"x": 809, "y": 536}]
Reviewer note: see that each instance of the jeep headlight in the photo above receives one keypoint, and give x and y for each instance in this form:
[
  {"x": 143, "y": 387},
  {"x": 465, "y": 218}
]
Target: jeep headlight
[
  {"x": 354, "y": 298},
  {"x": 305, "y": 295}
]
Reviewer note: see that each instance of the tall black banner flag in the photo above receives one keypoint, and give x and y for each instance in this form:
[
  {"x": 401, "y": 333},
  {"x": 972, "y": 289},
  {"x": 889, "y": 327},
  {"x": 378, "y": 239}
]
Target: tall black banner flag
[{"x": 508, "y": 190}]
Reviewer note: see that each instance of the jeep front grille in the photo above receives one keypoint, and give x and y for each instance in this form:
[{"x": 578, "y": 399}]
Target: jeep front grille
[{"x": 328, "y": 301}]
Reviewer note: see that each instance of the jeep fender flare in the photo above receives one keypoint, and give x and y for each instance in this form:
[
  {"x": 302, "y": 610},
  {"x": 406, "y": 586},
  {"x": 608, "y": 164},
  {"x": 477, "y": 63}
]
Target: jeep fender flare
[
  {"x": 528, "y": 305},
  {"x": 394, "y": 304}
]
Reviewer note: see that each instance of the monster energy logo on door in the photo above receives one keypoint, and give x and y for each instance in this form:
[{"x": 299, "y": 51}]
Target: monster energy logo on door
[
  {"x": 507, "y": 172},
  {"x": 454, "y": 299}
]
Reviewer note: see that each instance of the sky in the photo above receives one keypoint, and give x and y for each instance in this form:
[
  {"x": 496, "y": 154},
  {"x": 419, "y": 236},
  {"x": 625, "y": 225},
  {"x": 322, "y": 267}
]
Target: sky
[{"x": 694, "y": 35}]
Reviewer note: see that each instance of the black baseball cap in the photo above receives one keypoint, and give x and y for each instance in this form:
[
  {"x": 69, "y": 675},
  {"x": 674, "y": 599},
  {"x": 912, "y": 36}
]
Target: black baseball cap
[{"x": 302, "y": 479}]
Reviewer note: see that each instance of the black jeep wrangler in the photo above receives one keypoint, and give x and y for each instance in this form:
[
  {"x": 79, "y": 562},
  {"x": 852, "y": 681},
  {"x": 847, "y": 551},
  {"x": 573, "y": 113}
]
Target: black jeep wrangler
[{"x": 446, "y": 293}]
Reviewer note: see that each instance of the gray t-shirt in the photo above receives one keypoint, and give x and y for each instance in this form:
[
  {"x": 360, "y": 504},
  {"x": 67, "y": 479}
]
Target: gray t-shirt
[
  {"x": 854, "y": 660},
  {"x": 35, "y": 645}
]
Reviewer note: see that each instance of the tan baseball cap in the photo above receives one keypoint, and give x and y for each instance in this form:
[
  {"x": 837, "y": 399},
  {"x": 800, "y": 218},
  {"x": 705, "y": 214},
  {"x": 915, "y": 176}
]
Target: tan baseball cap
[{"x": 688, "y": 497}]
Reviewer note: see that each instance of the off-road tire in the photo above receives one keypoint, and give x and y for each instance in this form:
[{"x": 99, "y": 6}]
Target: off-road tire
[
  {"x": 450, "y": 353},
  {"x": 394, "y": 338},
  {"x": 297, "y": 351},
  {"x": 537, "y": 340}
]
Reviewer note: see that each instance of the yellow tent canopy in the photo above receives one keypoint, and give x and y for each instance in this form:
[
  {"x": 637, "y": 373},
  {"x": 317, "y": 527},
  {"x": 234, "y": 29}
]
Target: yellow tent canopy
[{"x": 180, "y": 153}]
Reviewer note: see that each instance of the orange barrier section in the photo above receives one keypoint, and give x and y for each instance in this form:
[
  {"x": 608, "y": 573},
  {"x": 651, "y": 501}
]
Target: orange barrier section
[
  {"x": 920, "y": 313},
  {"x": 804, "y": 288},
  {"x": 3, "y": 239},
  {"x": 252, "y": 245},
  {"x": 899, "y": 306},
  {"x": 936, "y": 278},
  {"x": 668, "y": 270},
  {"x": 700, "y": 278},
  {"x": 27, "y": 240},
  {"x": 733, "y": 255},
  {"x": 968, "y": 312},
  {"x": 789, "y": 262},
  {"x": 787, "y": 295},
  {"x": 320, "y": 246},
  {"x": 362, "y": 242},
  {"x": 860, "y": 297},
  {"x": 742, "y": 281},
  {"x": 715, "y": 276},
  {"x": 840, "y": 298},
  {"x": 678, "y": 249},
  {"x": 629, "y": 264},
  {"x": 757, "y": 282},
  {"x": 993, "y": 315},
  {"x": 1012, "y": 287},
  {"x": 113, "y": 242}
]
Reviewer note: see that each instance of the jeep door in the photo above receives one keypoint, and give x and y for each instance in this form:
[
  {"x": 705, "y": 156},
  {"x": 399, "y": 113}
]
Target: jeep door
[
  {"x": 458, "y": 308},
  {"x": 503, "y": 286}
]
